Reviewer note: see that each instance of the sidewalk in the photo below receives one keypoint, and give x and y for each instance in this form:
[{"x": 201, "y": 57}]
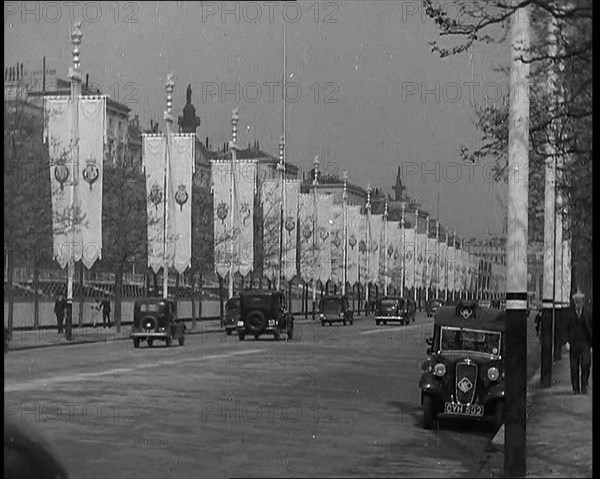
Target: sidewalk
[{"x": 559, "y": 429}]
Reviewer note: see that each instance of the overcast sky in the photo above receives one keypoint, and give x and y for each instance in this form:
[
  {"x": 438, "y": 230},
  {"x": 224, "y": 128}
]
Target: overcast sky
[{"x": 368, "y": 94}]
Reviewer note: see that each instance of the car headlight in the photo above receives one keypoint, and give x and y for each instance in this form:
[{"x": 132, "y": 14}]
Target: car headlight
[
  {"x": 439, "y": 369},
  {"x": 322, "y": 316},
  {"x": 341, "y": 315},
  {"x": 493, "y": 374}
]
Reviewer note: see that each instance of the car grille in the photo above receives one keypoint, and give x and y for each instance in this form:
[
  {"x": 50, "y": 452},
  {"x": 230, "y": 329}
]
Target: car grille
[{"x": 466, "y": 382}]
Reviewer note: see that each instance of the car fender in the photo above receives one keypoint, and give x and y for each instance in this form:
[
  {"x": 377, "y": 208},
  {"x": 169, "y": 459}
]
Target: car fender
[
  {"x": 497, "y": 391},
  {"x": 431, "y": 385}
]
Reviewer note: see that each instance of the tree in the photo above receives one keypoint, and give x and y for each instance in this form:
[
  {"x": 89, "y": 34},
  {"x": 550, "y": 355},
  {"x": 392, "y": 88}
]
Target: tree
[{"x": 568, "y": 113}]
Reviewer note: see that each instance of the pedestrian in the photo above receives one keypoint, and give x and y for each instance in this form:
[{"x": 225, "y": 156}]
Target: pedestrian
[
  {"x": 59, "y": 311},
  {"x": 579, "y": 343},
  {"x": 105, "y": 307},
  {"x": 96, "y": 312},
  {"x": 538, "y": 323}
]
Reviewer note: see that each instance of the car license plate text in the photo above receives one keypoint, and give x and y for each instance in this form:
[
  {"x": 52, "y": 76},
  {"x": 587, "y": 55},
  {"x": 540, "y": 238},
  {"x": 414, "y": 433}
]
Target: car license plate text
[{"x": 464, "y": 409}]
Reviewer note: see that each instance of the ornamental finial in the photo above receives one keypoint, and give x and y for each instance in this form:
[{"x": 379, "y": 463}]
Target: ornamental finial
[
  {"x": 234, "y": 121},
  {"x": 169, "y": 86},
  {"x": 76, "y": 36}
]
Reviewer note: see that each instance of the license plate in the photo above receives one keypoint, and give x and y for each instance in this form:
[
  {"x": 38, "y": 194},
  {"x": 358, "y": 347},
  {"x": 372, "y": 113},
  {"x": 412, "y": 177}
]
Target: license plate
[
  {"x": 464, "y": 409},
  {"x": 240, "y": 323}
]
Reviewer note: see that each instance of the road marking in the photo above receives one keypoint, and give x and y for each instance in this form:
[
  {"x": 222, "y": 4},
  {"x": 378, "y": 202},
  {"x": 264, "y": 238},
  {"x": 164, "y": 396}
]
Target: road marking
[
  {"x": 387, "y": 329},
  {"x": 47, "y": 382}
]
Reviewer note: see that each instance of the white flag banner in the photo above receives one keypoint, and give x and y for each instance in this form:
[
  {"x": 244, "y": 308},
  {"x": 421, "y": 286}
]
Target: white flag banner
[
  {"x": 391, "y": 252},
  {"x": 354, "y": 234},
  {"x": 337, "y": 244},
  {"x": 244, "y": 214},
  {"x": 431, "y": 262},
  {"x": 307, "y": 219},
  {"x": 92, "y": 134},
  {"x": 395, "y": 240},
  {"x": 362, "y": 249},
  {"x": 458, "y": 277},
  {"x": 375, "y": 228},
  {"x": 420, "y": 260},
  {"x": 325, "y": 217},
  {"x": 452, "y": 264},
  {"x": 290, "y": 222},
  {"x": 224, "y": 230},
  {"x": 409, "y": 257},
  {"x": 182, "y": 168},
  {"x": 58, "y": 114},
  {"x": 154, "y": 157},
  {"x": 271, "y": 207},
  {"x": 443, "y": 265}
]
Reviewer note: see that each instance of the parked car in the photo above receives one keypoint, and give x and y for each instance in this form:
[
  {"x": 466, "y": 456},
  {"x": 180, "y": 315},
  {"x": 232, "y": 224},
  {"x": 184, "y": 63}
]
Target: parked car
[
  {"x": 464, "y": 374},
  {"x": 232, "y": 315},
  {"x": 394, "y": 308},
  {"x": 264, "y": 312},
  {"x": 432, "y": 306},
  {"x": 335, "y": 309},
  {"x": 156, "y": 318}
]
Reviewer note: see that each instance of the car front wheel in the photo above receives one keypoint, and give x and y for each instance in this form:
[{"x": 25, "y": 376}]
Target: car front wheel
[
  {"x": 136, "y": 342},
  {"x": 377, "y": 322},
  {"x": 428, "y": 412},
  {"x": 228, "y": 331},
  {"x": 150, "y": 342},
  {"x": 169, "y": 341},
  {"x": 181, "y": 340},
  {"x": 277, "y": 335},
  {"x": 242, "y": 336}
]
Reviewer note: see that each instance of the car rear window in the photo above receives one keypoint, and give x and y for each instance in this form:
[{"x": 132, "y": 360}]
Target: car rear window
[
  {"x": 391, "y": 303},
  {"x": 149, "y": 308}
]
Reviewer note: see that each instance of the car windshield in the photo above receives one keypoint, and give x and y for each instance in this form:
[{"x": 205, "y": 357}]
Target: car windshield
[
  {"x": 233, "y": 304},
  {"x": 332, "y": 305},
  {"x": 457, "y": 339},
  {"x": 150, "y": 307},
  {"x": 391, "y": 303}
]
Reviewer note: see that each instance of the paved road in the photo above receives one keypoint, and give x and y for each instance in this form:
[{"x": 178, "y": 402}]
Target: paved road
[{"x": 335, "y": 401}]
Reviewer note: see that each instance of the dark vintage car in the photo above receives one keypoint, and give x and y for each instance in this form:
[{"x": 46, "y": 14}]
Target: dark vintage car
[
  {"x": 232, "y": 315},
  {"x": 432, "y": 306},
  {"x": 264, "y": 312},
  {"x": 464, "y": 374},
  {"x": 394, "y": 308},
  {"x": 156, "y": 318},
  {"x": 335, "y": 309}
]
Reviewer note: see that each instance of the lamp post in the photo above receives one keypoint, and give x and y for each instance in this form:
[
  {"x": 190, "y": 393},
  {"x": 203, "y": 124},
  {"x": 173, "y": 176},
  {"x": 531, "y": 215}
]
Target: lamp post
[
  {"x": 345, "y": 219},
  {"x": 385, "y": 246},
  {"x": 314, "y": 236},
  {"x": 446, "y": 271},
  {"x": 415, "y": 256},
  {"x": 233, "y": 147},
  {"x": 426, "y": 259},
  {"x": 438, "y": 260},
  {"x": 281, "y": 169},
  {"x": 368, "y": 272},
  {"x": 169, "y": 118},
  {"x": 403, "y": 205}
]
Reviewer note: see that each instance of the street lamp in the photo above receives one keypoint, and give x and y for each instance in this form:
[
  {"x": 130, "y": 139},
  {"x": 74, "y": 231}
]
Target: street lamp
[
  {"x": 314, "y": 236},
  {"x": 233, "y": 147},
  {"x": 281, "y": 169},
  {"x": 169, "y": 118},
  {"x": 385, "y": 256},
  {"x": 368, "y": 272},
  {"x": 345, "y": 219},
  {"x": 403, "y": 205}
]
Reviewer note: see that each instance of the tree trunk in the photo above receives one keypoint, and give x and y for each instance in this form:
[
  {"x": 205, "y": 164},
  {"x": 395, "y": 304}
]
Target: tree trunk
[
  {"x": 10, "y": 291},
  {"x": 221, "y": 294},
  {"x": 118, "y": 297},
  {"x": 81, "y": 298},
  {"x": 200, "y": 288},
  {"x": 193, "y": 298},
  {"x": 36, "y": 296}
]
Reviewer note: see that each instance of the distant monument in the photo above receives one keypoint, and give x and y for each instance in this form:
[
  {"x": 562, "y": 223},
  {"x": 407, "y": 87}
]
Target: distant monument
[
  {"x": 189, "y": 121},
  {"x": 399, "y": 187}
]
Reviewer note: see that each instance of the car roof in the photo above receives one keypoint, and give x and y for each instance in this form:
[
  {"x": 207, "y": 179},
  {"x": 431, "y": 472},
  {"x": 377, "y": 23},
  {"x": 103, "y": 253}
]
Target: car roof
[
  {"x": 264, "y": 292},
  {"x": 490, "y": 319},
  {"x": 333, "y": 296},
  {"x": 391, "y": 297},
  {"x": 154, "y": 300}
]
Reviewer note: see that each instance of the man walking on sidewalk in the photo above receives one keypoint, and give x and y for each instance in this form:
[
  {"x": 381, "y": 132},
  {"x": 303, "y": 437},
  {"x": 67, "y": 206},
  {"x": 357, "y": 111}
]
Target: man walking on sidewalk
[
  {"x": 579, "y": 342},
  {"x": 59, "y": 311},
  {"x": 105, "y": 307}
]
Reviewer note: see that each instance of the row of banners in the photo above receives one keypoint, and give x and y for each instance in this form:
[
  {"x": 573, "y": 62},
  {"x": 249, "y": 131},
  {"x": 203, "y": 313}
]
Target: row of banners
[{"x": 304, "y": 235}]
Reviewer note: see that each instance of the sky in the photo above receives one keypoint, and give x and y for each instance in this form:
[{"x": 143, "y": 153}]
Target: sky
[{"x": 365, "y": 93}]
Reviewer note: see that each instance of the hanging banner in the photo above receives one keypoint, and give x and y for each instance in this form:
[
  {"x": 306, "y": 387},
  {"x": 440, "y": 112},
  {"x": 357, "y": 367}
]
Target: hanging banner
[
  {"x": 443, "y": 252},
  {"x": 431, "y": 255},
  {"x": 420, "y": 260},
  {"x": 92, "y": 135},
  {"x": 153, "y": 158},
  {"x": 307, "y": 219},
  {"x": 376, "y": 229},
  {"x": 566, "y": 272},
  {"x": 181, "y": 171},
  {"x": 224, "y": 228},
  {"x": 362, "y": 249},
  {"x": 290, "y": 223},
  {"x": 324, "y": 220},
  {"x": 393, "y": 232},
  {"x": 354, "y": 220},
  {"x": 337, "y": 244},
  {"x": 409, "y": 257},
  {"x": 452, "y": 263},
  {"x": 58, "y": 116},
  {"x": 271, "y": 206},
  {"x": 245, "y": 189}
]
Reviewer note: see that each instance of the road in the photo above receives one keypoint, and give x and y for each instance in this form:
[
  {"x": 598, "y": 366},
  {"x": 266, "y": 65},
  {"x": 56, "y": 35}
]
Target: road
[{"x": 335, "y": 401}]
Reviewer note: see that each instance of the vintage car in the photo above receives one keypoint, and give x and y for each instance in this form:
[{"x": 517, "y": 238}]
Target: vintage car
[
  {"x": 432, "y": 306},
  {"x": 335, "y": 309},
  {"x": 264, "y": 312},
  {"x": 232, "y": 315},
  {"x": 156, "y": 318},
  {"x": 394, "y": 308},
  {"x": 464, "y": 374}
]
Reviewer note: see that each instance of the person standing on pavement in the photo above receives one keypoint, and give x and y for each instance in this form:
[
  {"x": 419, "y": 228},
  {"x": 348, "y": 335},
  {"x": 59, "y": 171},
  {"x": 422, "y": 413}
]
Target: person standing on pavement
[
  {"x": 59, "y": 311},
  {"x": 579, "y": 343},
  {"x": 105, "y": 307}
]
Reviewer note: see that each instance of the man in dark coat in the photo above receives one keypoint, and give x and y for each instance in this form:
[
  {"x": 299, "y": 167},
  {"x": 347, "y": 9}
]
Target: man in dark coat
[
  {"x": 579, "y": 343},
  {"x": 59, "y": 310},
  {"x": 105, "y": 307}
]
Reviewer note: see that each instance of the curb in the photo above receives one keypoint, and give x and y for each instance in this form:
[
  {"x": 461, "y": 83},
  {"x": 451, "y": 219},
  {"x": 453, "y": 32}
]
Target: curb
[{"x": 532, "y": 386}]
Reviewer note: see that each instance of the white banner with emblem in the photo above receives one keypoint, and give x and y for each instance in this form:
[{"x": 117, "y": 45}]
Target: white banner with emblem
[
  {"x": 307, "y": 220},
  {"x": 290, "y": 222},
  {"x": 354, "y": 220}
]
